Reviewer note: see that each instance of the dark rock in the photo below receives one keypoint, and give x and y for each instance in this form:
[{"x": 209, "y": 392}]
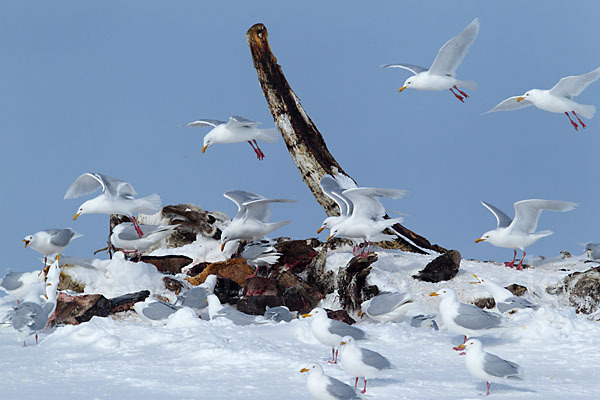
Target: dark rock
[
  {"x": 301, "y": 298},
  {"x": 352, "y": 281},
  {"x": 258, "y": 286},
  {"x": 172, "y": 284},
  {"x": 73, "y": 310},
  {"x": 168, "y": 264},
  {"x": 565, "y": 254},
  {"x": 236, "y": 269},
  {"x": 340, "y": 315},
  {"x": 516, "y": 290},
  {"x": 443, "y": 268},
  {"x": 257, "y": 305},
  {"x": 485, "y": 302},
  {"x": 319, "y": 279},
  {"x": 296, "y": 255},
  {"x": 583, "y": 289},
  {"x": 228, "y": 291},
  {"x": 126, "y": 302}
]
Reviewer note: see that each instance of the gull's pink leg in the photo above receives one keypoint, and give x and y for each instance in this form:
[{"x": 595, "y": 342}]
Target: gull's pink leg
[
  {"x": 36, "y": 339},
  {"x": 25, "y": 345},
  {"x": 488, "y": 389},
  {"x": 255, "y": 150},
  {"x": 333, "y": 358},
  {"x": 458, "y": 96},
  {"x": 136, "y": 226},
  {"x": 356, "y": 382},
  {"x": 336, "y": 355},
  {"x": 365, "y": 388},
  {"x": 512, "y": 263},
  {"x": 461, "y": 92},
  {"x": 579, "y": 119},
  {"x": 253, "y": 275},
  {"x": 521, "y": 262},
  {"x": 572, "y": 123},
  {"x": 259, "y": 150}
]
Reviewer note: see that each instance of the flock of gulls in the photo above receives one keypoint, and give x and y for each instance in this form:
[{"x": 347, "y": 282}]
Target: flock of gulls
[{"x": 362, "y": 219}]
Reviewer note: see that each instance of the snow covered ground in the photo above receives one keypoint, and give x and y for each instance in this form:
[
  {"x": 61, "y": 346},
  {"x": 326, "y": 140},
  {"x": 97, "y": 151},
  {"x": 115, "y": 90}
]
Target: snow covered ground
[{"x": 122, "y": 357}]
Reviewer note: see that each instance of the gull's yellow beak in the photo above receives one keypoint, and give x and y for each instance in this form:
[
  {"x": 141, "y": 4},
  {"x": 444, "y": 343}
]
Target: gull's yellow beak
[
  {"x": 342, "y": 343},
  {"x": 479, "y": 240},
  {"x": 329, "y": 237},
  {"x": 433, "y": 294},
  {"x": 306, "y": 315},
  {"x": 476, "y": 277},
  {"x": 401, "y": 89},
  {"x": 222, "y": 246},
  {"x": 204, "y": 149},
  {"x": 76, "y": 216},
  {"x": 461, "y": 346},
  {"x": 26, "y": 242},
  {"x": 304, "y": 370},
  {"x": 320, "y": 229},
  {"x": 520, "y": 98}
]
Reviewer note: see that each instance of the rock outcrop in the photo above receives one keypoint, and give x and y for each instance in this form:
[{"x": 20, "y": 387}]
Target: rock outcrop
[
  {"x": 443, "y": 268},
  {"x": 582, "y": 289}
]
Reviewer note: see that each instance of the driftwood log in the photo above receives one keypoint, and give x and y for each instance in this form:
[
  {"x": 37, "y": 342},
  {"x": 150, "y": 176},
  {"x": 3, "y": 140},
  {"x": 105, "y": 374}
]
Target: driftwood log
[{"x": 304, "y": 141}]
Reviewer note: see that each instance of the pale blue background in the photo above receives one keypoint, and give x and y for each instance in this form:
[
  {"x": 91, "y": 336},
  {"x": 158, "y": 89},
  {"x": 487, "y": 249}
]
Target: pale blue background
[{"x": 103, "y": 86}]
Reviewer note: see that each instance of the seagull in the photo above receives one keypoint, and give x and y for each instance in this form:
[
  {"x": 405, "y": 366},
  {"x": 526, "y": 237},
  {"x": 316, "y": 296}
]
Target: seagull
[
  {"x": 117, "y": 197},
  {"x": 31, "y": 316},
  {"x": 324, "y": 387},
  {"x": 236, "y": 130},
  {"x": 358, "y": 362},
  {"x": 278, "y": 314},
  {"x": 387, "y": 306},
  {"x": 334, "y": 189},
  {"x": 217, "y": 310},
  {"x": 488, "y": 367},
  {"x": 464, "y": 319},
  {"x": 19, "y": 284},
  {"x": 520, "y": 232},
  {"x": 442, "y": 73},
  {"x": 125, "y": 237},
  {"x": 250, "y": 222},
  {"x": 154, "y": 311},
  {"x": 50, "y": 241},
  {"x": 558, "y": 99},
  {"x": 331, "y": 331},
  {"x": 366, "y": 221},
  {"x": 196, "y": 297},
  {"x": 505, "y": 300},
  {"x": 260, "y": 254}
]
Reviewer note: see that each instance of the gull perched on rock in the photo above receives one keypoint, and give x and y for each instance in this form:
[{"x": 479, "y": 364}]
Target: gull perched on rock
[
  {"x": 464, "y": 319},
  {"x": 505, "y": 300},
  {"x": 360, "y": 362},
  {"x": 31, "y": 316},
  {"x": 559, "y": 99},
  {"x": 488, "y": 367},
  {"x": 125, "y": 237},
  {"x": 442, "y": 73},
  {"x": 50, "y": 241},
  {"x": 251, "y": 220},
  {"x": 324, "y": 387},
  {"x": 117, "y": 197},
  {"x": 331, "y": 331},
  {"x": 236, "y": 130},
  {"x": 520, "y": 232},
  {"x": 366, "y": 220},
  {"x": 387, "y": 306}
]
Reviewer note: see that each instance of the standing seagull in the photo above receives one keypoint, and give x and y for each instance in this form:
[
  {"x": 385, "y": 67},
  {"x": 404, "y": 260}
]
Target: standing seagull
[
  {"x": 251, "y": 221},
  {"x": 520, "y": 232},
  {"x": 236, "y": 130},
  {"x": 50, "y": 241},
  {"x": 558, "y": 99},
  {"x": 358, "y": 362},
  {"x": 488, "y": 367},
  {"x": 441, "y": 74},
  {"x": 324, "y": 387},
  {"x": 116, "y": 198}
]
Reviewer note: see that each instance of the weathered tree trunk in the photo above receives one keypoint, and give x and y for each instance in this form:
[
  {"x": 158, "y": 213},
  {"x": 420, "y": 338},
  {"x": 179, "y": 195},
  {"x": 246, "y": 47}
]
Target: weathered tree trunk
[{"x": 303, "y": 139}]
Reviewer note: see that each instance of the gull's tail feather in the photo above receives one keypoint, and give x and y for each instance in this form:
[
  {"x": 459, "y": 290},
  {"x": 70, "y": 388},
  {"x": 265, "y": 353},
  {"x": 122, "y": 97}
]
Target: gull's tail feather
[
  {"x": 149, "y": 204},
  {"x": 276, "y": 225},
  {"x": 469, "y": 85},
  {"x": 268, "y": 135},
  {"x": 542, "y": 234},
  {"x": 586, "y": 110}
]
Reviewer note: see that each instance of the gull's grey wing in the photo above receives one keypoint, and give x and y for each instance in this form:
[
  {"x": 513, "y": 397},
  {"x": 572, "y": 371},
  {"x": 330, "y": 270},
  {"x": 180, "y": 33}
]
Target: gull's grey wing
[
  {"x": 503, "y": 219},
  {"x": 332, "y": 188},
  {"x": 239, "y": 197},
  {"x": 157, "y": 310},
  {"x": 129, "y": 233},
  {"x": 29, "y": 315},
  {"x": 235, "y": 316},
  {"x": 472, "y": 317},
  {"x": 241, "y": 121},
  {"x": 61, "y": 237},
  {"x": 515, "y": 302},
  {"x": 571, "y": 86},
  {"x": 453, "y": 52},
  {"x": 340, "y": 390},
  {"x": 499, "y": 367},
  {"x": 117, "y": 187},
  {"x": 385, "y": 302},
  {"x": 206, "y": 122},
  {"x": 259, "y": 209},
  {"x": 194, "y": 298},
  {"x": 510, "y": 104},
  {"x": 366, "y": 203},
  {"x": 374, "y": 359},
  {"x": 343, "y": 329},
  {"x": 527, "y": 212},
  {"x": 90, "y": 182},
  {"x": 278, "y": 314},
  {"x": 415, "y": 69},
  {"x": 12, "y": 280}
]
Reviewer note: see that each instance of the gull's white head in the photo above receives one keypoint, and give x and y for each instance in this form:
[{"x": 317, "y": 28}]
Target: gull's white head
[
  {"x": 317, "y": 312},
  {"x": 489, "y": 236},
  {"x": 531, "y": 95},
  {"x": 333, "y": 232},
  {"x": 329, "y": 223},
  {"x": 208, "y": 140},
  {"x": 407, "y": 84},
  {"x": 470, "y": 344},
  {"x": 87, "y": 207},
  {"x": 27, "y": 240},
  {"x": 347, "y": 340},
  {"x": 444, "y": 293},
  {"x": 313, "y": 368}
]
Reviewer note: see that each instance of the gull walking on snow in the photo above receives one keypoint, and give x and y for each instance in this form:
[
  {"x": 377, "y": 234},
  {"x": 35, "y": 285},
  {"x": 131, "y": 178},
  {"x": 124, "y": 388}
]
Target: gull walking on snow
[
  {"x": 360, "y": 362},
  {"x": 236, "y": 130},
  {"x": 520, "y": 232},
  {"x": 117, "y": 197},
  {"x": 559, "y": 99},
  {"x": 324, "y": 387},
  {"x": 442, "y": 73}
]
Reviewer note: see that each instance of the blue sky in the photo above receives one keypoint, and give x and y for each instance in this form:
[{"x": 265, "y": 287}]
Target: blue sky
[{"x": 103, "y": 86}]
